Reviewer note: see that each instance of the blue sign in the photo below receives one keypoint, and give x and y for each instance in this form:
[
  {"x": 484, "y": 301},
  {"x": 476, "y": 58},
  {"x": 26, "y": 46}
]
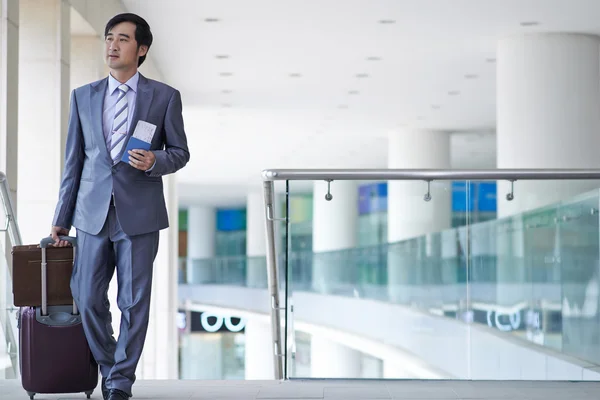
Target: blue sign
[
  {"x": 482, "y": 196},
  {"x": 460, "y": 203},
  {"x": 231, "y": 220},
  {"x": 486, "y": 199},
  {"x": 372, "y": 198}
]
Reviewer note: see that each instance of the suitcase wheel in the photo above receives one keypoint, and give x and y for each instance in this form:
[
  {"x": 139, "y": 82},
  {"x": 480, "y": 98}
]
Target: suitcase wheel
[
  {"x": 89, "y": 394},
  {"x": 31, "y": 395}
]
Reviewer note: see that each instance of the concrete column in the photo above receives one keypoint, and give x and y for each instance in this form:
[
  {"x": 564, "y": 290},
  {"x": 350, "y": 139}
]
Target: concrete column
[
  {"x": 334, "y": 228},
  {"x": 547, "y": 110},
  {"x": 44, "y": 69},
  {"x": 87, "y": 61},
  {"x": 329, "y": 359},
  {"x": 256, "y": 241},
  {"x": 201, "y": 242},
  {"x": 160, "y": 356},
  {"x": 9, "y": 107},
  {"x": 409, "y": 215},
  {"x": 9, "y": 99},
  {"x": 547, "y": 114},
  {"x": 259, "y": 350}
]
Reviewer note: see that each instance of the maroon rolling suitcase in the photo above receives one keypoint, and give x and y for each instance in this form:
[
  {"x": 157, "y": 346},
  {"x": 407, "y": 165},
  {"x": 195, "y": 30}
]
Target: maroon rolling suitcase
[{"x": 54, "y": 354}]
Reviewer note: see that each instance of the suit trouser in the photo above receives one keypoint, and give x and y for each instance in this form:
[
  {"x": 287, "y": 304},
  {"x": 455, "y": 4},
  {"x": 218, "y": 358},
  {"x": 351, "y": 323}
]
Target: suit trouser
[{"x": 96, "y": 259}]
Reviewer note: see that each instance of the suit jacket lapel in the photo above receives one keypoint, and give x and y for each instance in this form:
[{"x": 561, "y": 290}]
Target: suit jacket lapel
[
  {"x": 97, "y": 93},
  {"x": 143, "y": 100}
]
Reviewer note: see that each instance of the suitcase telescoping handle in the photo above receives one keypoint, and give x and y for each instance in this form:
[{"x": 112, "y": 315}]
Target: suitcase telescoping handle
[{"x": 44, "y": 244}]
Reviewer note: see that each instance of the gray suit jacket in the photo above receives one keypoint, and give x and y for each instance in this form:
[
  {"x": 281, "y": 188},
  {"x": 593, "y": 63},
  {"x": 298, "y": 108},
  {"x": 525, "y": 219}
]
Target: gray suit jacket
[{"x": 89, "y": 177}]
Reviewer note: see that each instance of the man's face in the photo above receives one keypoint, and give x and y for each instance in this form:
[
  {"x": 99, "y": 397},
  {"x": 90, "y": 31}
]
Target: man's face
[{"x": 121, "y": 47}]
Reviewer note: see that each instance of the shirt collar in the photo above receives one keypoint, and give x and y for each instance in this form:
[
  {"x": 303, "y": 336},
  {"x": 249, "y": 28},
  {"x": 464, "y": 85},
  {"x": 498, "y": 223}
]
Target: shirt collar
[{"x": 113, "y": 84}]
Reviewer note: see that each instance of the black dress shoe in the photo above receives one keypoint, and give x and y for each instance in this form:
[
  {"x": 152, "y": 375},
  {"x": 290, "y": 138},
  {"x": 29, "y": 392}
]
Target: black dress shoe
[
  {"x": 104, "y": 389},
  {"x": 116, "y": 394}
]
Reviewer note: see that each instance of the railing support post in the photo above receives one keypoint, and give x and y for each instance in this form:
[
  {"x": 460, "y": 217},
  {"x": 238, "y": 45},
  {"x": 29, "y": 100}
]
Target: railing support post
[{"x": 273, "y": 280}]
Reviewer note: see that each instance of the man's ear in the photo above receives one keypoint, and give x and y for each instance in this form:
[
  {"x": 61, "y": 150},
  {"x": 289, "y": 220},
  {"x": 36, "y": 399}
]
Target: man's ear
[{"x": 142, "y": 51}]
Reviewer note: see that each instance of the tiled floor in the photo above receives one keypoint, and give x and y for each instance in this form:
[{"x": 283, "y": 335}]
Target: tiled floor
[{"x": 339, "y": 389}]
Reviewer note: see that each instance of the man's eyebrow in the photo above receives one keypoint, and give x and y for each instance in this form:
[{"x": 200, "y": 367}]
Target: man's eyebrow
[{"x": 120, "y": 34}]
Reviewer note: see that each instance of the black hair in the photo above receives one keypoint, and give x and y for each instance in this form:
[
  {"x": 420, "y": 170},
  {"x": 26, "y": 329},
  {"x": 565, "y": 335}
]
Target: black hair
[{"x": 143, "y": 35}]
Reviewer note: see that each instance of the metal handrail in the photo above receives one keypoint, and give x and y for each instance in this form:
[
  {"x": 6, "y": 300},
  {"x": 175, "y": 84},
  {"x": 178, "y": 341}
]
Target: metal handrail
[
  {"x": 271, "y": 175},
  {"x": 9, "y": 210},
  {"x": 429, "y": 174}
]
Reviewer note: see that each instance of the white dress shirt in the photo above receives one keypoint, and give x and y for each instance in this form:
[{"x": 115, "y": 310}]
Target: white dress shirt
[{"x": 110, "y": 101}]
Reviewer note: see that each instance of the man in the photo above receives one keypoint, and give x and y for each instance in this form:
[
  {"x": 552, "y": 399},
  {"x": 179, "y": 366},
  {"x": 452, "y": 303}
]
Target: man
[{"x": 118, "y": 207}]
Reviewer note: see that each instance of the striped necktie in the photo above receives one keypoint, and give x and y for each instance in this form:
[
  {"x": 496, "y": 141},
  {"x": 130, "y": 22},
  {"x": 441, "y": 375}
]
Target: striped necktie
[{"x": 119, "y": 128}]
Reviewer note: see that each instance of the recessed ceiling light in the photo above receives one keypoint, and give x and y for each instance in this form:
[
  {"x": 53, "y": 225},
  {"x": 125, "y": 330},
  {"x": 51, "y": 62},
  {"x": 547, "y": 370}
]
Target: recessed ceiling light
[
  {"x": 226, "y": 74},
  {"x": 222, "y": 56},
  {"x": 387, "y": 21},
  {"x": 435, "y": 106},
  {"x": 353, "y": 92},
  {"x": 471, "y": 76},
  {"x": 342, "y": 106},
  {"x": 226, "y": 105},
  {"x": 491, "y": 60},
  {"x": 529, "y": 23},
  {"x": 226, "y": 91},
  {"x": 453, "y": 92},
  {"x": 362, "y": 75},
  {"x": 211, "y": 20},
  {"x": 295, "y": 75},
  {"x": 373, "y": 58}
]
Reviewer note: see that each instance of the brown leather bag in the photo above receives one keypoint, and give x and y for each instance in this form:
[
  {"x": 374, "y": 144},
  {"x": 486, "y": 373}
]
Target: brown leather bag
[{"x": 27, "y": 275}]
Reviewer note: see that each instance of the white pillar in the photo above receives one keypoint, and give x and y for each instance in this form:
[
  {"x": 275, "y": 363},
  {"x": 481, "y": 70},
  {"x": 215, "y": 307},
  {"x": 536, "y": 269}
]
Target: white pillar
[
  {"x": 160, "y": 357},
  {"x": 334, "y": 228},
  {"x": 259, "y": 350},
  {"x": 256, "y": 241},
  {"x": 409, "y": 215},
  {"x": 9, "y": 102},
  {"x": 548, "y": 99},
  {"x": 329, "y": 359},
  {"x": 87, "y": 62},
  {"x": 44, "y": 53},
  {"x": 201, "y": 242}
]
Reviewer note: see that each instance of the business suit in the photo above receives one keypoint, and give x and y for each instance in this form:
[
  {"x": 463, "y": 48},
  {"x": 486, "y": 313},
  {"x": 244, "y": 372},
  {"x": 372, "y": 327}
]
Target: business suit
[{"x": 118, "y": 211}]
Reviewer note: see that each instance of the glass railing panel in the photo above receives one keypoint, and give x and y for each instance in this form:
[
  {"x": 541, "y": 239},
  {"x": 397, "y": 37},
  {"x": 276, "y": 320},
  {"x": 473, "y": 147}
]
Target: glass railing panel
[
  {"x": 256, "y": 273},
  {"x": 538, "y": 302},
  {"x": 576, "y": 307},
  {"x": 218, "y": 271},
  {"x": 532, "y": 271},
  {"x": 357, "y": 309},
  {"x": 182, "y": 270}
]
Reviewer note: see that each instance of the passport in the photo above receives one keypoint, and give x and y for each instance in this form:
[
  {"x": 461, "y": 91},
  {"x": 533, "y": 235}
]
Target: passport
[{"x": 140, "y": 140}]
